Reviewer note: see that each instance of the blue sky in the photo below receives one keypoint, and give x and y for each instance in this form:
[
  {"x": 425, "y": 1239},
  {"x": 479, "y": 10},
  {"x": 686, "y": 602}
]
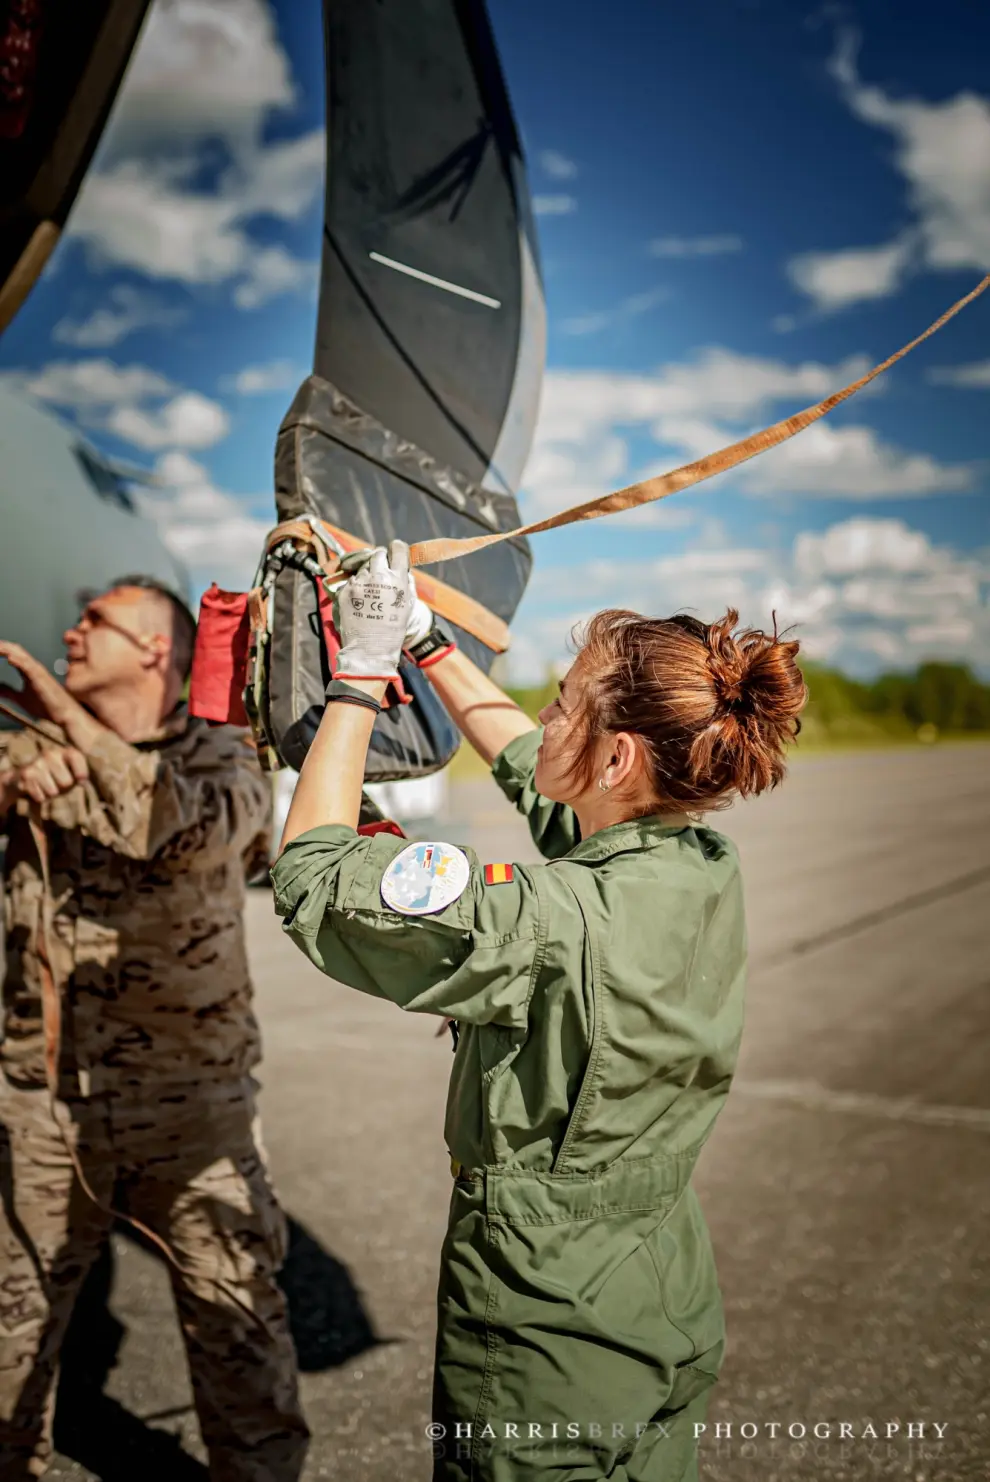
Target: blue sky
[{"x": 740, "y": 206}]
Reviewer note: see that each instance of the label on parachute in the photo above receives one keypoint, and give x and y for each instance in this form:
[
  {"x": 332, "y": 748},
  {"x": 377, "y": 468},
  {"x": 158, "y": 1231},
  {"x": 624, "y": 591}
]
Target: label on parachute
[{"x": 425, "y": 878}]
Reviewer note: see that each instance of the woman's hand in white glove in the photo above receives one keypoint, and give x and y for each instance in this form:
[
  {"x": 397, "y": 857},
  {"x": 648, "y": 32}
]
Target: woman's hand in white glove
[
  {"x": 421, "y": 618},
  {"x": 371, "y": 614}
]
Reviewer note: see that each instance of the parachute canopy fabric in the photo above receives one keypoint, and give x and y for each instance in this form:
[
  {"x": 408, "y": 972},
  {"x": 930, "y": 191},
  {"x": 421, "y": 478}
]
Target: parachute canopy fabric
[
  {"x": 61, "y": 62},
  {"x": 429, "y": 346}
]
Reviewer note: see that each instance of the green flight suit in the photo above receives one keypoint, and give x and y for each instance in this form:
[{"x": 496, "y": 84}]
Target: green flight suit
[{"x": 599, "y": 998}]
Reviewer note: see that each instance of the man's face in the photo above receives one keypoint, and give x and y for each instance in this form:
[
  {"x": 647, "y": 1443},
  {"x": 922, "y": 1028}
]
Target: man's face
[{"x": 110, "y": 647}]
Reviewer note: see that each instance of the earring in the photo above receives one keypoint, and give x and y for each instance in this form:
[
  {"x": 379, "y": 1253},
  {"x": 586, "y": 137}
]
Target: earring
[{"x": 603, "y": 785}]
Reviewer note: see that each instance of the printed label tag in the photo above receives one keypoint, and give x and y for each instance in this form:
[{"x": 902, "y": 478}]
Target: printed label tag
[{"x": 425, "y": 878}]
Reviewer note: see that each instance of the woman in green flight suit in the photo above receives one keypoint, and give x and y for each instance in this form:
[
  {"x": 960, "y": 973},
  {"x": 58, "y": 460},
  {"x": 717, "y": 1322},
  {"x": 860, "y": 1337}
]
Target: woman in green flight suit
[{"x": 599, "y": 999}]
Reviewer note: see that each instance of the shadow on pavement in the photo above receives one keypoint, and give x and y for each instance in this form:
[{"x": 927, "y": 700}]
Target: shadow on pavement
[{"x": 329, "y": 1326}]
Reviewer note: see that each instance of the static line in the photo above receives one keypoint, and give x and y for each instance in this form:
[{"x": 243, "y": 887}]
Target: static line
[{"x": 402, "y": 267}]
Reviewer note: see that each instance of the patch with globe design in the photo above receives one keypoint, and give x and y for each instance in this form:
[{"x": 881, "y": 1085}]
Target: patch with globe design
[{"x": 425, "y": 878}]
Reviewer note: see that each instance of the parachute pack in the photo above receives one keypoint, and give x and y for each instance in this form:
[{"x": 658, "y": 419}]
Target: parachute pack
[{"x": 265, "y": 656}]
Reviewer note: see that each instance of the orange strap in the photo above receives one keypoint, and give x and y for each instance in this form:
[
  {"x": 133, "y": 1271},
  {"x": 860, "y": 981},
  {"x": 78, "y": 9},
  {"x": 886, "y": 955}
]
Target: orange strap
[
  {"x": 444, "y": 599},
  {"x": 427, "y": 551}
]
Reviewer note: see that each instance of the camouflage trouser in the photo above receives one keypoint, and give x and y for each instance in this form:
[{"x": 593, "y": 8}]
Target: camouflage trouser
[{"x": 188, "y": 1165}]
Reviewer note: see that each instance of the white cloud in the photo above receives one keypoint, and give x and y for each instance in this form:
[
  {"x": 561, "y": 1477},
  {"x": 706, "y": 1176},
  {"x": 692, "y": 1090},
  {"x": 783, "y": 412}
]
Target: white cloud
[
  {"x": 559, "y": 205},
  {"x": 256, "y": 380},
  {"x": 834, "y": 280},
  {"x": 977, "y": 374},
  {"x": 692, "y": 408},
  {"x": 942, "y": 152},
  {"x": 629, "y": 308},
  {"x": 116, "y": 398},
  {"x": 202, "y": 68},
  {"x": 84, "y": 385},
  {"x": 863, "y": 593},
  {"x": 852, "y": 463},
  {"x": 556, "y": 165},
  {"x": 695, "y": 246},
  {"x": 127, "y": 310},
  {"x": 147, "y": 218},
  {"x": 211, "y": 531},
  {"x": 187, "y": 421},
  {"x": 206, "y": 73},
  {"x": 272, "y": 271},
  {"x": 861, "y": 544}
]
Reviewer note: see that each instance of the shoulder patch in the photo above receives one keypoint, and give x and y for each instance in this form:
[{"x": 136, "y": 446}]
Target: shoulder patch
[
  {"x": 498, "y": 874},
  {"x": 425, "y": 878}
]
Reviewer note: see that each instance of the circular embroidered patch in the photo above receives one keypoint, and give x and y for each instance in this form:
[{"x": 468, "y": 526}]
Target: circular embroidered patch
[{"x": 425, "y": 878}]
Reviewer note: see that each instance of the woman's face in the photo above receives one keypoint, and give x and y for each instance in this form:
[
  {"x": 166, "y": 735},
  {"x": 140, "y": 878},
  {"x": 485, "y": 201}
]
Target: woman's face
[{"x": 562, "y": 733}]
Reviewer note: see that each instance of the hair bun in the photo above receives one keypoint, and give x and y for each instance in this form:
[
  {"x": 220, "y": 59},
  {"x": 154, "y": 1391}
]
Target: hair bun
[{"x": 759, "y": 694}]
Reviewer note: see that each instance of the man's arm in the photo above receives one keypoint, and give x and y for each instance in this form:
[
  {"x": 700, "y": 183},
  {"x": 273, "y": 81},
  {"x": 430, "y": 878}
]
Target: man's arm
[{"x": 136, "y": 802}]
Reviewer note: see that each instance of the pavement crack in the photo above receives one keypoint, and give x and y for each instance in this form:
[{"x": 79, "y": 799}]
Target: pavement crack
[{"x": 878, "y": 917}]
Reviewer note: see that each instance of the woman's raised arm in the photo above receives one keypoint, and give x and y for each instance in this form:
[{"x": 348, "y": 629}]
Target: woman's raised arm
[{"x": 482, "y": 712}]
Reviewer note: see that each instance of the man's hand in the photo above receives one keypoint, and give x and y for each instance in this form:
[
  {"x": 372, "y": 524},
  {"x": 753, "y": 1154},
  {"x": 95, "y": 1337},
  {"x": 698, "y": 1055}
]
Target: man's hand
[
  {"x": 55, "y": 771},
  {"x": 46, "y": 699},
  {"x": 42, "y": 696}
]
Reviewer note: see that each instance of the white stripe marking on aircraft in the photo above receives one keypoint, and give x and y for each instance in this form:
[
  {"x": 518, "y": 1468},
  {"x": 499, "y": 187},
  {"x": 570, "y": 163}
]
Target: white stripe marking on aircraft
[{"x": 402, "y": 267}]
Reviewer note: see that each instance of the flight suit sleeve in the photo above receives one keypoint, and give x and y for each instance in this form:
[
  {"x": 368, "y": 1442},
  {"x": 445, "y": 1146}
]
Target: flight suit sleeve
[
  {"x": 136, "y": 801},
  {"x": 474, "y": 961},
  {"x": 554, "y": 826}
]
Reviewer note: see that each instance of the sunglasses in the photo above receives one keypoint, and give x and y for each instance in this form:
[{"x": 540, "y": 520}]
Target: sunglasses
[{"x": 93, "y": 616}]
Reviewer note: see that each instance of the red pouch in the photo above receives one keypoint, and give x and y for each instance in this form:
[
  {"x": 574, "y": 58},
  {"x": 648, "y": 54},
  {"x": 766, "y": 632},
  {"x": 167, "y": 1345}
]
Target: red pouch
[
  {"x": 383, "y": 826},
  {"x": 220, "y": 657}
]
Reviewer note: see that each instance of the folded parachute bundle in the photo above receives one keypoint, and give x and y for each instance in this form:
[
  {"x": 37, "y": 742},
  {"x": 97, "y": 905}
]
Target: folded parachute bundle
[
  {"x": 265, "y": 656},
  {"x": 420, "y": 410}
]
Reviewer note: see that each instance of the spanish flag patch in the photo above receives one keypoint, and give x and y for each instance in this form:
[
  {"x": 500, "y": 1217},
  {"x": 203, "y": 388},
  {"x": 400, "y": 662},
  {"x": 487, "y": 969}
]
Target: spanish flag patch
[{"x": 499, "y": 874}]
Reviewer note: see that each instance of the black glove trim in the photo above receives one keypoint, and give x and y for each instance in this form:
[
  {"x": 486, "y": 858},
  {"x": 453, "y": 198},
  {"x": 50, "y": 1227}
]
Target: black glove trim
[{"x": 339, "y": 689}]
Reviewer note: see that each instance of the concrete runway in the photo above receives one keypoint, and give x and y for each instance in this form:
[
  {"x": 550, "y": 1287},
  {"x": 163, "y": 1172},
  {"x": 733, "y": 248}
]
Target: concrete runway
[{"x": 847, "y": 1184}]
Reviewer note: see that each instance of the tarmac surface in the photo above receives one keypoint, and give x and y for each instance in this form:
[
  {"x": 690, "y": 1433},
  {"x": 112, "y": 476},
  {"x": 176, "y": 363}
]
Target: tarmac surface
[{"x": 847, "y": 1184}]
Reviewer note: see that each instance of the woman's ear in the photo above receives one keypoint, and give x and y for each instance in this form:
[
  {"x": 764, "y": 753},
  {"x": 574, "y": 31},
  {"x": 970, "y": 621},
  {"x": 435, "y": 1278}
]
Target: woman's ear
[{"x": 622, "y": 759}]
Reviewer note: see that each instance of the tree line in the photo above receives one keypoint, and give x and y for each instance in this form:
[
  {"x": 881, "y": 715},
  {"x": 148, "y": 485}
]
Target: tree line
[{"x": 935, "y": 700}]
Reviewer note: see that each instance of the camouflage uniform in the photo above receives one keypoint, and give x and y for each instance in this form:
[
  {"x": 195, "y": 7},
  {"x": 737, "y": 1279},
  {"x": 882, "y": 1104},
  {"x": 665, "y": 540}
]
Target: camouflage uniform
[{"x": 147, "y": 864}]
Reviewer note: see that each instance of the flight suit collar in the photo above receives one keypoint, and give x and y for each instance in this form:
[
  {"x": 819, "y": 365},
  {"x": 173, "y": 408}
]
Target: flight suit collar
[{"x": 636, "y": 833}]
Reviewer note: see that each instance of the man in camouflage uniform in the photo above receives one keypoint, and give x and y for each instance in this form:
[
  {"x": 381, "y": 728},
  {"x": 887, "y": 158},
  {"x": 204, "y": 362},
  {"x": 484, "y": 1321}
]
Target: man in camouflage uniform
[{"x": 130, "y": 832}]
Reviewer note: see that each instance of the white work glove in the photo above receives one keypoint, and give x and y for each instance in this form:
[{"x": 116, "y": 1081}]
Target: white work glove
[
  {"x": 421, "y": 617},
  {"x": 371, "y": 611}
]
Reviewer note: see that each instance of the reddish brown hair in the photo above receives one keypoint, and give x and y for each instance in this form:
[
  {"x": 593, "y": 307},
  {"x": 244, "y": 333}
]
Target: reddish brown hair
[{"x": 713, "y": 708}]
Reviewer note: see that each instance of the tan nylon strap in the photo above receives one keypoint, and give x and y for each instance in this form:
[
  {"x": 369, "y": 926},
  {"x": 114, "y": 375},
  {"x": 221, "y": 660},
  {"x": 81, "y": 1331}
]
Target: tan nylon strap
[
  {"x": 444, "y": 599},
  {"x": 425, "y": 552}
]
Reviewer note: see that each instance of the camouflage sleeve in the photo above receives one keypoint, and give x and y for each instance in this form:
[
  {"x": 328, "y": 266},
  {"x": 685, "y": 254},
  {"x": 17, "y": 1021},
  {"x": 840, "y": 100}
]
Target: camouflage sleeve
[
  {"x": 7, "y": 794},
  {"x": 554, "y": 826},
  {"x": 138, "y": 801}
]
